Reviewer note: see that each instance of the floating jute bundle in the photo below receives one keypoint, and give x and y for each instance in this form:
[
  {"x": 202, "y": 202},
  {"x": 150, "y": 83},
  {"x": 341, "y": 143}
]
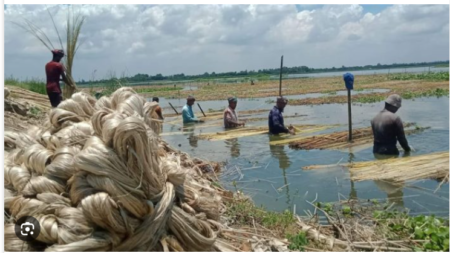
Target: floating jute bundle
[{"x": 96, "y": 178}]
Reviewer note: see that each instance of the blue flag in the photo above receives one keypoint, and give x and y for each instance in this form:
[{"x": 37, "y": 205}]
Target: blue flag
[{"x": 348, "y": 79}]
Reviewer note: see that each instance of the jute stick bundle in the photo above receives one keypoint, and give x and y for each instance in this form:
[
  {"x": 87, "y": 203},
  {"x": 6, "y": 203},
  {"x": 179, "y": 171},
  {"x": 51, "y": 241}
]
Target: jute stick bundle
[{"x": 339, "y": 140}]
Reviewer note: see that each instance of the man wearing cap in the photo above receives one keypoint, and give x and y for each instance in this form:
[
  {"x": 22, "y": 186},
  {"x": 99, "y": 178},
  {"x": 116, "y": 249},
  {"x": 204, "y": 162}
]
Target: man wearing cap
[
  {"x": 230, "y": 118},
  {"x": 276, "y": 121},
  {"x": 188, "y": 113},
  {"x": 387, "y": 128},
  {"x": 54, "y": 69}
]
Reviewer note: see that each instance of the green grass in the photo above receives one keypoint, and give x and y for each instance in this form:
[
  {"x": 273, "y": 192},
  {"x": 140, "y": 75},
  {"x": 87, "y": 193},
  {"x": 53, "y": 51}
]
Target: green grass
[
  {"x": 429, "y": 93},
  {"x": 369, "y": 99},
  {"x": 438, "y": 92},
  {"x": 34, "y": 85},
  {"x": 156, "y": 89},
  {"x": 275, "y": 219},
  {"x": 432, "y": 76},
  {"x": 442, "y": 66},
  {"x": 330, "y": 92},
  {"x": 244, "y": 212},
  {"x": 297, "y": 241},
  {"x": 433, "y": 230},
  {"x": 107, "y": 88}
]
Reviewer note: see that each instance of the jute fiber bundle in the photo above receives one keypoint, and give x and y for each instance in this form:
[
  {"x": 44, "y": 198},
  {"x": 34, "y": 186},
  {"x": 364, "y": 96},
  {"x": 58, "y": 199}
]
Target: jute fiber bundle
[
  {"x": 250, "y": 131},
  {"x": 97, "y": 179},
  {"x": 434, "y": 166},
  {"x": 339, "y": 140}
]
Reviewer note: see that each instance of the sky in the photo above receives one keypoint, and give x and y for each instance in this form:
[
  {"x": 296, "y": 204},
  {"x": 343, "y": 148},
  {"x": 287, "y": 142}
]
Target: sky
[{"x": 172, "y": 39}]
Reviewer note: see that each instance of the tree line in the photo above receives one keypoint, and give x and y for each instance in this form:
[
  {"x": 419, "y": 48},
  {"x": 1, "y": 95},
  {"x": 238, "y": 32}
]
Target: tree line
[{"x": 261, "y": 73}]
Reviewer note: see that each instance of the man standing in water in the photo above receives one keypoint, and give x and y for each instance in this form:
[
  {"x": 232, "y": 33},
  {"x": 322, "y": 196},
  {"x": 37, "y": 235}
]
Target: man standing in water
[
  {"x": 158, "y": 109},
  {"x": 387, "y": 128},
  {"x": 276, "y": 121},
  {"x": 230, "y": 118},
  {"x": 188, "y": 113},
  {"x": 54, "y": 69}
]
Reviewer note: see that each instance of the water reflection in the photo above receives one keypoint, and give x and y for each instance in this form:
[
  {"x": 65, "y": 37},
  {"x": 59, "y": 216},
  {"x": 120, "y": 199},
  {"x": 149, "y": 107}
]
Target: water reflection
[
  {"x": 234, "y": 146},
  {"x": 190, "y": 129},
  {"x": 353, "y": 193},
  {"x": 283, "y": 163},
  {"x": 278, "y": 158},
  {"x": 279, "y": 153},
  {"x": 393, "y": 190},
  {"x": 351, "y": 157}
]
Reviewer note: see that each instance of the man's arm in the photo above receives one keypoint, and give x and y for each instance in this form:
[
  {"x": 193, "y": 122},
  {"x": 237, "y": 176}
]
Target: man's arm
[
  {"x": 401, "y": 135},
  {"x": 187, "y": 118},
  {"x": 159, "y": 112},
  {"x": 230, "y": 120},
  {"x": 277, "y": 123},
  {"x": 64, "y": 77}
]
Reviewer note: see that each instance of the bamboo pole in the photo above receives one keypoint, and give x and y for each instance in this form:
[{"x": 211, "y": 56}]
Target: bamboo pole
[
  {"x": 201, "y": 109},
  {"x": 349, "y": 98},
  {"x": 173, "y": 108},
  {"x": 281, "y": 73}
]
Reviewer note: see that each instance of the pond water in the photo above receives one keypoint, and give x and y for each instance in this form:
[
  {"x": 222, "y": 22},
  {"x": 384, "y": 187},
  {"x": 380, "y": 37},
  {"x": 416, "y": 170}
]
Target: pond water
[
  {"x": 254, "y": 103},
  {"x": 189, "y": 87},
  {"x": 266, "y": 168}
]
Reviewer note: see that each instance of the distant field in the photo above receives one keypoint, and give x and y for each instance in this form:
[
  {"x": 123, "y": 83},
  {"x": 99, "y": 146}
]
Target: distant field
[{"x": 421, "y": 82}]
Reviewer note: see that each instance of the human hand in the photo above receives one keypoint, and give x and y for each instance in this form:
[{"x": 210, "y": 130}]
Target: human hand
[{"x": 291, "y": 129}]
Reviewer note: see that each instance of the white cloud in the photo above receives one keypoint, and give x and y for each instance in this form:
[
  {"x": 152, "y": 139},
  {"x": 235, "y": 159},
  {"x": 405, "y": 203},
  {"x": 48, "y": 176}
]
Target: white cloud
[
  {"x": 135, "y": 47},
  {"x": 194, "y": 39}
]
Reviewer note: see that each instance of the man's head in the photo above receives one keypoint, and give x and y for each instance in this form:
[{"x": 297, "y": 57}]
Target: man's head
[
  {"x": 232, "y": 102},
  {"x": 155, "y": 99},
  {"x": 281, "y": 103},
  {"x": 190, "y": 100},
  {"x": 58, "y": 54},
  {"x": 393, "y": 103}
]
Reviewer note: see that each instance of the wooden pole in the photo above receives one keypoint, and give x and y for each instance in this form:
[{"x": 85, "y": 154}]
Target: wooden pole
[
  {"x": 201, "y": 109},
  {"x": 173, "y": 108},
  {"x": 281, "y": 72},
  {"x": 349, "y": 98}
]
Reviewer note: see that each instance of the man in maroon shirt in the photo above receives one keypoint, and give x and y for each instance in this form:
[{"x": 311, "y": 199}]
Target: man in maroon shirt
[{"x": 54, "y": 69}]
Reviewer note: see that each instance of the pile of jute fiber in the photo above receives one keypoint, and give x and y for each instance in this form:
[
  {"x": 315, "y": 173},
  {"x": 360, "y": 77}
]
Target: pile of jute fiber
[{"x": 96, "y": 178}]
